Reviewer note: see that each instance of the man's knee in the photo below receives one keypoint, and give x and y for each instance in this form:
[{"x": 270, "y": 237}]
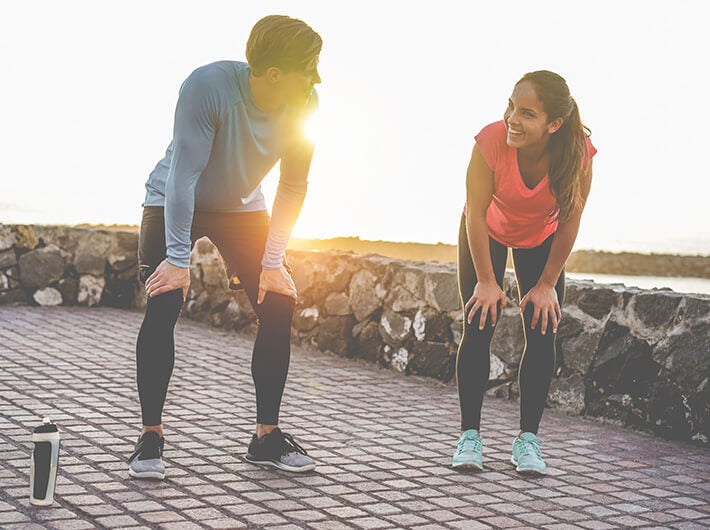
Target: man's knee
[{"x": 276, "y": 310}]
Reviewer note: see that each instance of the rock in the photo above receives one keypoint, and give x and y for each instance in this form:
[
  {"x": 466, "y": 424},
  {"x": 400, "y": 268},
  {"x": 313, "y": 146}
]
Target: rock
[
  {"x": 13, "y": 278},
  {"x": 598, "y": 302},
  {"x": 623, "y": 364},
  {"x": 413, "y": 280},
  {"x": 508, "y": 340},
  {"x": 117, "y": 292},
  {"x": 442, "y": 291},
  {"x": 236, "y": 315},
  {"x": 140, "y": 300},
  {"x": 7, "y": 258},
  {"x": 621, "y": 407},
  {"x": 7, "y": 237},
  {"x": 90, "y": 255},
  {"x": 577, "y": 343},
  {"x": 4, "y": 282},
  {"x": 432, "y": 326},
  {"x": 567, "y": 393},
  {"x": 337, "y": 304},
  {"x": 122, "y": 254},
  {"x": 212, "y": 270},
  {"x": 419, "y": 326},
  {"x": 48, "y": 297},
  {"x": 508, "y": 391},
  {"x": 432, "y": 359},
  {"x": 364, "y": 299},
  {"x": 25, "y": 237},
  {"x": 669, "y": 411},
  {"x": 693, "y": 308},
  {"x": 39, "y": 268},
  {"x": 685, "y": 356},
  {"x": 656, "y": 309},
  {"x": 214, "y": 274},
  {"x": 302, "y": 274},
  {"x": 13, "y": 296},
  {"x": 90, "y": 290},
  {"x": 69, "y": 288},
  {"x": 306, "y": 319},
  {"x": 497, "y": 369},
  {"x": 394, "y": 327},
  {"x": 400, "y": 299},
  {"x": 334, "y": 334},
  {"x": 338, "y": 277},
  {"x": 367, "y": 343},
  {"x": 399, "y": 360}
]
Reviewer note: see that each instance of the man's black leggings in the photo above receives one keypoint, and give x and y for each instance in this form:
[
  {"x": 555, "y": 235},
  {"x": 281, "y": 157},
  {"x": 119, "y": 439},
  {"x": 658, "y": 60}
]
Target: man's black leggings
[
  {"x": 240, "y": 239},
  {"x": 473, "y": 362}
]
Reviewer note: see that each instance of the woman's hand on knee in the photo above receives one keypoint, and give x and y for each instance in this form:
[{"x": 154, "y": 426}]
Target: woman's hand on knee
[
  {"x": 486, "y": 297},
  {"x": 546, "y": 307},
  {"x": 277, "y": 281},
  {"x": 168, "y": 277}
]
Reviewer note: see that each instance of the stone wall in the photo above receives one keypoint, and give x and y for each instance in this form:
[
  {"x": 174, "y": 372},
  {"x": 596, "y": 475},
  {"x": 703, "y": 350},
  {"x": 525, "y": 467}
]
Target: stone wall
[{"x": 640, "y": 357}]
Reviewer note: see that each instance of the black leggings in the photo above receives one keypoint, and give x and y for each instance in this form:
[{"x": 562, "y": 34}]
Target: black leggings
[
  {"x": 473, "y": 362},
  {"x": 240, "y": 239}
]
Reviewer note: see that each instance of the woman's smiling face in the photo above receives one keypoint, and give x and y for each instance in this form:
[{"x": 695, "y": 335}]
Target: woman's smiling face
[{"x": 526, "y": 119}]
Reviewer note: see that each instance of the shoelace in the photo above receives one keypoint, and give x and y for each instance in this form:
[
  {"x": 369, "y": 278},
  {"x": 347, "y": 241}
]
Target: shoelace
[
  {"x": 527, "y": 445},
  {"x": 290, "y": 445},
  {"x": 477, "y": 443}
]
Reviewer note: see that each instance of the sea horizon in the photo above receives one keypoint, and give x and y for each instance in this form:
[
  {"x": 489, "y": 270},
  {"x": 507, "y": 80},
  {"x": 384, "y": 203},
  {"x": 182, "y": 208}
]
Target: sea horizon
[
  {"x": 682, "y": 284},
  {"x": 678, "y": 246}
]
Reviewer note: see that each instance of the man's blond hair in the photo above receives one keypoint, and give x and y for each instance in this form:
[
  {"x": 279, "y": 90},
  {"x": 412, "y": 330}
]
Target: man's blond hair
[{"x": 281, "y": 41}]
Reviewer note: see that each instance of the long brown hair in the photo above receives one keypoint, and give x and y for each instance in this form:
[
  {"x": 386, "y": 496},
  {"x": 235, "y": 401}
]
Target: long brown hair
[{"x": 568, "y": 145}]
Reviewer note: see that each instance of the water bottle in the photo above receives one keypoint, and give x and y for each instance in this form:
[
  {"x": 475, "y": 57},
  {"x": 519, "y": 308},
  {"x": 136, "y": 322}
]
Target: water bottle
[{"x": 43, "y": 468}]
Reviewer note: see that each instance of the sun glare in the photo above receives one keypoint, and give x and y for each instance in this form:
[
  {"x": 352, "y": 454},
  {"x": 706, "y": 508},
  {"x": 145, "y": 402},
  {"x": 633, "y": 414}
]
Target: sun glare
[{"x": 312, "y": 127}]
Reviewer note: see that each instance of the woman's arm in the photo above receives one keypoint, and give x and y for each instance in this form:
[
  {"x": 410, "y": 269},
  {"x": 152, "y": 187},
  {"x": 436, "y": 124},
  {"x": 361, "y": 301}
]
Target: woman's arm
[
  {"x": 479, "y": 192},
  {"x": 543, "y": 293}
]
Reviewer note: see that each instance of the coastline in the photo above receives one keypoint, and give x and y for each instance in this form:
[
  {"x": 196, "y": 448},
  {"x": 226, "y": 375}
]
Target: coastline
[{"x": 617, "y": 265}]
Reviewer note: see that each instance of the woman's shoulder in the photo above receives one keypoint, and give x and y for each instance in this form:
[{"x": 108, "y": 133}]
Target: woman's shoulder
[
  {"x": 493, "y": 130},
  {"x": 491, "y": 142}
]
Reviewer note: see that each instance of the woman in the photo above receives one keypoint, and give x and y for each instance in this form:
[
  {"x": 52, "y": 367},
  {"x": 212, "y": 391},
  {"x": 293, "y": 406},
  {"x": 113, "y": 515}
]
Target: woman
[{"x": 526, "y": 186}]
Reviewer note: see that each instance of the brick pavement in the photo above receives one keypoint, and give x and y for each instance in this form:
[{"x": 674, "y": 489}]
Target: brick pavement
[{"x": 383, "y": 442}]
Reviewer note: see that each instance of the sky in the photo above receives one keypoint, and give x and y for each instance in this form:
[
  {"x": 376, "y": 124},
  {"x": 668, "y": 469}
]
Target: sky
[{"x": 89, "y": 91}]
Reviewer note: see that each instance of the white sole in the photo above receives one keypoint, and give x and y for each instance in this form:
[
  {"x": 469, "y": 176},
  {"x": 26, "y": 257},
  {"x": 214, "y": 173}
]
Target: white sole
[
  {"x": 155, "y": 475},
  {"x": 527, "y": 471},
  {"x": 467, "y": 467},
  {"x": 279, "y": 465}
]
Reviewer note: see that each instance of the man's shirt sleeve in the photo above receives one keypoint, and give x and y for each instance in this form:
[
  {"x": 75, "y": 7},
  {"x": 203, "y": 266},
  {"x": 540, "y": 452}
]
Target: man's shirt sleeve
[
  {"x": 291, "y": 192},
  {"x": 196, "y": 121}
]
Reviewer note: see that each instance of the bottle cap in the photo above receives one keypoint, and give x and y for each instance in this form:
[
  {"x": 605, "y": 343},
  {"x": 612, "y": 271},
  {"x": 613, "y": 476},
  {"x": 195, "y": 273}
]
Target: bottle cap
[{"x": 47, "y": 426}]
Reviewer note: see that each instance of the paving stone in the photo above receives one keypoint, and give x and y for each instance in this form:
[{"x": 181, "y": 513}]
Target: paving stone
[{"x": 381, "y": 466}]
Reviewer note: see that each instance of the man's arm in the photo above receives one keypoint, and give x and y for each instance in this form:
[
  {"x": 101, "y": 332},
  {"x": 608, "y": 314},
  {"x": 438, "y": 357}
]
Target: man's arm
[
  {"x": 196, "y": 117},
  {"x": 291, "y": 192}
]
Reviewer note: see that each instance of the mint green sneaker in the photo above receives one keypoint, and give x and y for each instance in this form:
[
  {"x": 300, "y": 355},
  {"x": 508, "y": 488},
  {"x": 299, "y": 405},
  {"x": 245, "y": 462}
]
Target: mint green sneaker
[
  {"x": 527, "y": 457},
  {"x": 469, "y": 451}
]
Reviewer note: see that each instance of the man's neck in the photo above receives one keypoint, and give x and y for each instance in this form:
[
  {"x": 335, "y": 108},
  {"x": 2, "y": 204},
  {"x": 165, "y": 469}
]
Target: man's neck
[{"x": 260, "y": 91}]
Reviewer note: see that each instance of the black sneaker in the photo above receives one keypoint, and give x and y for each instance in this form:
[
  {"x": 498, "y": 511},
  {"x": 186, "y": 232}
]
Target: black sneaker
[
  {"x": 279, "y": 450},
  {"x": 146, "y": 461}
]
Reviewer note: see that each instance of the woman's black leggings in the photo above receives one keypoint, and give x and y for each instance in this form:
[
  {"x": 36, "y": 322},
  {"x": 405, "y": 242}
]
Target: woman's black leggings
[
  {"x": 473, "y": 362},
  {"x": 240, "y": 239}
]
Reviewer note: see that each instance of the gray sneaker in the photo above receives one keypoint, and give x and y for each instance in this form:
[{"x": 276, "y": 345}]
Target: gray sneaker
[
  {"x": 279, "y": 450},
  {"x": 146, "y": 461}
]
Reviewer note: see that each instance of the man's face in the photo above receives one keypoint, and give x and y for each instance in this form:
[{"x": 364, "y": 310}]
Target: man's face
[{"x": 297, "y": 86}]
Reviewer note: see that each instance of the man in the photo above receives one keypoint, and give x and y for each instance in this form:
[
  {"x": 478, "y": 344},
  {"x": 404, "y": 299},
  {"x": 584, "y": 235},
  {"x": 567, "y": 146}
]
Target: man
[{"x": 233, "y": 122}]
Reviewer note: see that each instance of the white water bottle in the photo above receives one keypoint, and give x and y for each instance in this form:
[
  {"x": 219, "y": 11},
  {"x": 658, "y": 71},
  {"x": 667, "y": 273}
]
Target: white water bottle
[{"x": 45, "y": 459}]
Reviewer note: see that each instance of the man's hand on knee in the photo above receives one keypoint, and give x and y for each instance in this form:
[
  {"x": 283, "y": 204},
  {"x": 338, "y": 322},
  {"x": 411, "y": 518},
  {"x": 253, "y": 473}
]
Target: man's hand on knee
[
  {"x": 277, "y": 281},
  {"x": 167, "y": 278}
]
